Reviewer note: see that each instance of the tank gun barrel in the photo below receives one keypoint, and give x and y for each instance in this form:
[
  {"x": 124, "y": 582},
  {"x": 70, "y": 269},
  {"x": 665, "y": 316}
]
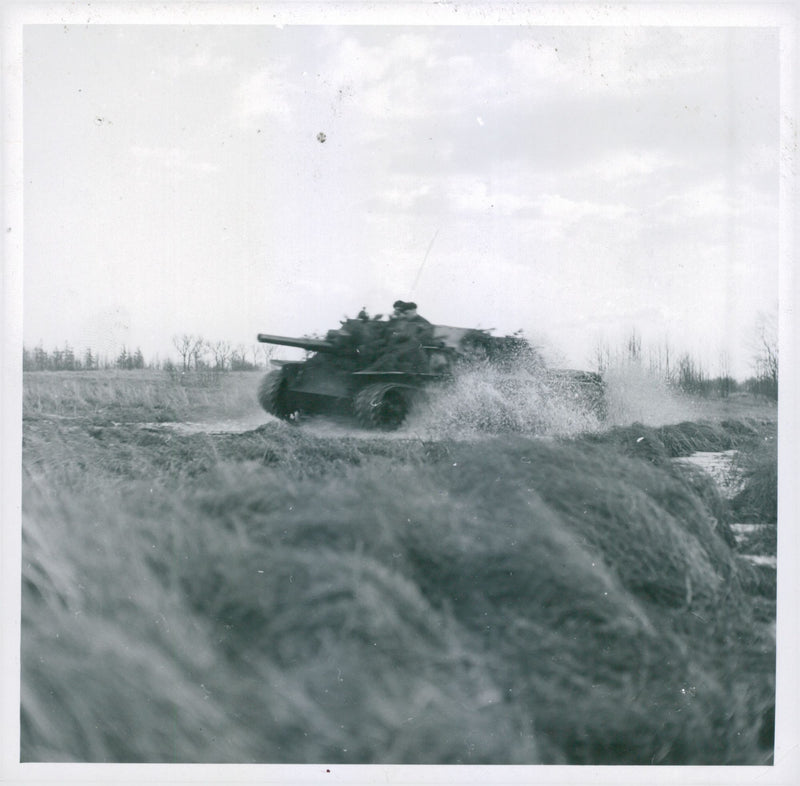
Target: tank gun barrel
[{"x": 309, "y": 344}]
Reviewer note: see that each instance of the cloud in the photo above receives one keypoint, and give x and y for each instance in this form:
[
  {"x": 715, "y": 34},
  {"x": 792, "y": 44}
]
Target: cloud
[
  {"x": 703, "y": 200},
  {"x": 566, "y": 211},
  {"x": 760, "y": 161},
  {"x": 200, "y": 62},
  {"x": 370, "y": 87},
  {"x": 628, "y": 165},
  {"x": 605, "y": 61},
  {"x": 387, "y": 81},
  {"x": 497, "y": 196},
  {"x": 265, "y": 93},
  {"x": 405, "y": 195},
  {"x": 174, "y": 159},
  {"x": 718, "y": 207}
]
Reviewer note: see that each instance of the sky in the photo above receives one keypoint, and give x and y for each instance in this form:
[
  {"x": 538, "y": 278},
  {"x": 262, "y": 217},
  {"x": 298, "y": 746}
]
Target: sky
[{"x": 575, "y": 182}]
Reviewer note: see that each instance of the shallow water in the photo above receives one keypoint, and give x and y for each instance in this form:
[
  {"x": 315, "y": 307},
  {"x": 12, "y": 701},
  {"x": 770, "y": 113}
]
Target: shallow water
[
  {"x": 722, "y": 468},
  {"x": 226, "y": 426}
]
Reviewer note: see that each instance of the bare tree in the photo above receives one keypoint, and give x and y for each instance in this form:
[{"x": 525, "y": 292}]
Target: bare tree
[
  {"x": 198, "y": 351},
  {"x": 602, "y": 355},
  {"x": 690, "y": 374},
  {"x": 264, "y": 350},
  {"x": 222, "y": 352},
  {"x": 183, "y": 344},
  {"x": 634, "y": 347},
  {"x": 190, "y": 348},
  {"x": 239, "y": 361},
  {"x": 725, "y": 381},
  {"x": 766, "y": 354}
]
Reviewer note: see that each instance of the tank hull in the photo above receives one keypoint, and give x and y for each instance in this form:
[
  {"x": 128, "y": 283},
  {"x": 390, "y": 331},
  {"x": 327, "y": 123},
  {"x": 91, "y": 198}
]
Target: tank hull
[{"x": 318, "y": 389}]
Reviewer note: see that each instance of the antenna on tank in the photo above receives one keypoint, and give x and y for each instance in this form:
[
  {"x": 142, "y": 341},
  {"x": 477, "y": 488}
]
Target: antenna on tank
[{"x": 424, "y": 260}]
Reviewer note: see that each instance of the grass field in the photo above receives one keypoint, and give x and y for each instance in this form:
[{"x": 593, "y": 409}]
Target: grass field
[{"x": 528, "y": 588}]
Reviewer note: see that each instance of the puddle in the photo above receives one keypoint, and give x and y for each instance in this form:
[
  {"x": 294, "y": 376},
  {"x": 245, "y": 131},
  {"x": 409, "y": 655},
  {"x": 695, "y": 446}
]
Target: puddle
[
  {"x": 722, "y": 468},
  {"x": 325, "y": 426},
  {"x": 232, "y": 426}
]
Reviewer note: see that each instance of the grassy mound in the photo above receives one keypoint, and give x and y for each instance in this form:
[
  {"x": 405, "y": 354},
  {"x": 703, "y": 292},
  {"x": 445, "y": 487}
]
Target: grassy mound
[
  {"x": 658, "y": 445},
  {"x": 757, "y": 502},
  {"x": 277, "y": 596}
]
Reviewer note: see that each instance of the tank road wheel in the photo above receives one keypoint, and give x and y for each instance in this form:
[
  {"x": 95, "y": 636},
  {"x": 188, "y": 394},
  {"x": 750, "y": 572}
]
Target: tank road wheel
[
  {"x": 273, "y": 395},
  {"x": 382, "y": 406}
]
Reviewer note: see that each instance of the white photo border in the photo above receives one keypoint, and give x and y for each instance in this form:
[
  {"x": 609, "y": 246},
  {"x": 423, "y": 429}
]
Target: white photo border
[{"x": 786, "y": 769}]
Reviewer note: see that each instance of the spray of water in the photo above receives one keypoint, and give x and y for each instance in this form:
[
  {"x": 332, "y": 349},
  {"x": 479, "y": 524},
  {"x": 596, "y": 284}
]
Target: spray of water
[
  {"x": 636, "y": 395},
  {"x": 526, "y": 399},
  {"x": 486, "y": 399}
]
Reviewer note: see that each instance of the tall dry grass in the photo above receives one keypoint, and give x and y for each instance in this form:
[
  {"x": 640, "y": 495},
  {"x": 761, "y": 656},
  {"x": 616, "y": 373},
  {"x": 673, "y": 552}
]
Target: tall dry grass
[
  {"x": 758, "y": 500},
  {"x": 137, "y": 396}
]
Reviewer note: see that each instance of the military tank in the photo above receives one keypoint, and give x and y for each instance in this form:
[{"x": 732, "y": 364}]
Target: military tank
[{"x": 376, "y": 369}]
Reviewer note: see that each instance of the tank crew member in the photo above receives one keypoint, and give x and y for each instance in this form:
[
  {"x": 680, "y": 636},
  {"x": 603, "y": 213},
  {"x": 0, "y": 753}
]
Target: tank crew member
[
  {"x": 408, "y": 334},
  {"x": 407, "y": 311}
]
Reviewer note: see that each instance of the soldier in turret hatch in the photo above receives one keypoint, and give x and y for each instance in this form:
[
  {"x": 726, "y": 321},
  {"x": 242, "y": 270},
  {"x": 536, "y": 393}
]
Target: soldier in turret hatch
[
  {"x": 407, "y": 334},
  {"x": 407, "y": 311}
]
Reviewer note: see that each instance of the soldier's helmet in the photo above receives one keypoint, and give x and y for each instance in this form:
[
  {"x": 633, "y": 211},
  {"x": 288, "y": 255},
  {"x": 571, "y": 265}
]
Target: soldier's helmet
[{"x": 404, "y": 309}]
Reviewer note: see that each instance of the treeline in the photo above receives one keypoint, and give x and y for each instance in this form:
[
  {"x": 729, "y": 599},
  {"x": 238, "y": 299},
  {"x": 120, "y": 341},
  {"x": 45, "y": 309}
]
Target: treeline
[
  {"x": 682, "y": 371},
  {"x": 66, "y": 359},
  {"x": 679, "y": 370},
  {"x": 198, "y": 354},
  {"x": 195, "y": 354}
]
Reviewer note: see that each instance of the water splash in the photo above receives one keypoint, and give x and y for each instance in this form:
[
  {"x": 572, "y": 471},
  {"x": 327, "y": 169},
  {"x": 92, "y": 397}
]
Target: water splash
[
  {"x": 485, "y": 399},
  {"x": 635, "y": 395},
  {"x": 527, "y": 399}
]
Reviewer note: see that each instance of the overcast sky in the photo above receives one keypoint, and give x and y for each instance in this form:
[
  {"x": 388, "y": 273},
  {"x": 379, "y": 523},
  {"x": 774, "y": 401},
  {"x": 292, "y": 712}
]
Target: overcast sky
[{"x": 575, "y": 182}]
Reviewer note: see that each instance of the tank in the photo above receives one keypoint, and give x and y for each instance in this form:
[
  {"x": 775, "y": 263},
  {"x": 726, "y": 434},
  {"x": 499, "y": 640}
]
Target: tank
[{"x": 375, "y": 369}]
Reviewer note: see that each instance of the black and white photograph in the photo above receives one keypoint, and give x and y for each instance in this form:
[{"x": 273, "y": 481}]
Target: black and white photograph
[{"x": 394, "y": 385}]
